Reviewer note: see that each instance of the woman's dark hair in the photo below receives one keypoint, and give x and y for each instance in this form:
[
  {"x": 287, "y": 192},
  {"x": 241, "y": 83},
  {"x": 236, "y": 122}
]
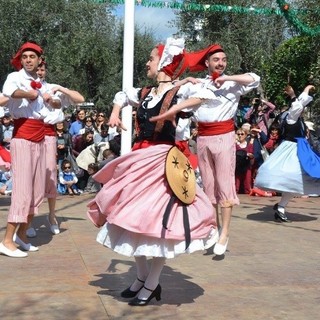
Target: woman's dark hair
[
  {"x": 94, "y": 167},
  {"x": 115, "y": 147},
  {"x": 93, "y": 123},
  {"x": 104, "y": 127},
  {"x": 274, "y": 126},
  {"x": 65, "y": 126},
  {"x": 64, "y": 162}
]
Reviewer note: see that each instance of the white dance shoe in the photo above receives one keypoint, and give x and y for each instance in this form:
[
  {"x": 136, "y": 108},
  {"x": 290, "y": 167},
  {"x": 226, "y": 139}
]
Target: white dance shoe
[
  {"x": 213, "y": 239},
  {"x": 12, "y": 253},
  {"x": 220, "y": 249}
]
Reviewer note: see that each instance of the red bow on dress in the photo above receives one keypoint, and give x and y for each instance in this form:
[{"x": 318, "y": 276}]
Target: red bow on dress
[{"x": 35, "y": 85}]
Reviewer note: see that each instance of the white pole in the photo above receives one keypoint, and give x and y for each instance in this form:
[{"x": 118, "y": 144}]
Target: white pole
[{"x": 127, "y": 72}]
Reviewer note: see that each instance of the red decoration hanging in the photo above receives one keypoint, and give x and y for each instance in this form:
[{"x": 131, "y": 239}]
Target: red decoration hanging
[
  {"x": 35, "y": 85},
  {"x": 286, "y": 7},
  {"x": 215, "y": 75}
]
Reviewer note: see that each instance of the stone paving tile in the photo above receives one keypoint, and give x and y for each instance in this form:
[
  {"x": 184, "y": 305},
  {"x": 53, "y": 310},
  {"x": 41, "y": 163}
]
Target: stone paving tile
[{"x": 270, "y": 271}]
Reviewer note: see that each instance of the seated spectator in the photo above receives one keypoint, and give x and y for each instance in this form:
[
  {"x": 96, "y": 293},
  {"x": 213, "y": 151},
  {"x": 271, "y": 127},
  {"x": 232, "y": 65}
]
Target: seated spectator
[
  {"x": 110, "y": 154},
  {"x": 82, "y": 141},
  {"x": 274, "y": 138},
  {"x": 101, "y": 118},
  {"x": 67, "y": 179},
  {"x": 89, "y": 125},
  {"x": 78, "y": 124},
  {"x": 103, "y": 135},
  {"x": 92, "y": 185},
  {"x": 244, "y": 157},
  {"x": 64, "y": 141},
  {"x": 93, "y": 115},
  {"x": 5, "y": 182},
  {"x": 7, "y": 130}
]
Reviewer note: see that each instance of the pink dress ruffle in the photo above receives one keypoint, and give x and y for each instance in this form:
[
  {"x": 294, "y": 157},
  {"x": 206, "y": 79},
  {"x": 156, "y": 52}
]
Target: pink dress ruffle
[{"x": 135, "y": 195}]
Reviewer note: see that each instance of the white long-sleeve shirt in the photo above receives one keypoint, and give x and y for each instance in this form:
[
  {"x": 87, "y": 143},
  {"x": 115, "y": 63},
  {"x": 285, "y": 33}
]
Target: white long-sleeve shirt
[
  {"x": 219, "y": 104},
  {"x": 22, "y": 108},
  {"x": 297, "y": 107}
]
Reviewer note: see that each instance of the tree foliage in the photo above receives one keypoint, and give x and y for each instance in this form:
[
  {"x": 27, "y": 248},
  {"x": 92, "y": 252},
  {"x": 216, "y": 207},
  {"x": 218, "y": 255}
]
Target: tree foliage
[
  {"x": 291, "y": 64},
  {"x": 267, "y": 45},
  {"x": 82, "y": 41},
  {"x": 247, "y": 39}
]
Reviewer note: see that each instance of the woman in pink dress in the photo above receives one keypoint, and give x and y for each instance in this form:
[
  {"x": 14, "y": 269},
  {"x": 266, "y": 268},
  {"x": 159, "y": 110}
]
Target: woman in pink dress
[{"x": 135, "y": 199}]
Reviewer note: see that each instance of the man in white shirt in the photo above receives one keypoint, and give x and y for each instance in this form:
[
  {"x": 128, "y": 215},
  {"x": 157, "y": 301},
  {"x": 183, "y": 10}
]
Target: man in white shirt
[
  {"x": 26, "y": 103},
  {"x": 216, "y": 100}
]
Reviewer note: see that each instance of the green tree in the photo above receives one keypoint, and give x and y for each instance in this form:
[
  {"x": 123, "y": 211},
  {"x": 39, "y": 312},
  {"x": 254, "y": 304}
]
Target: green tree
[
  {"x": 82, "y": 40},
  {"x": 292, "y": 64},
  {"x": 248, "y": 38}
]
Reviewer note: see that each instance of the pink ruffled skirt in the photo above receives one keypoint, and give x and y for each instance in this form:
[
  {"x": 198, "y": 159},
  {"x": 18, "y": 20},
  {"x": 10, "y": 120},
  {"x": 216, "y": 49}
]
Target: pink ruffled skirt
[{"x": 131, "y": 204}]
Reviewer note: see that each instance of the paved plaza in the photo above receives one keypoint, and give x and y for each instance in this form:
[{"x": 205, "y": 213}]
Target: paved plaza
[{"x": 270, "y": 271}]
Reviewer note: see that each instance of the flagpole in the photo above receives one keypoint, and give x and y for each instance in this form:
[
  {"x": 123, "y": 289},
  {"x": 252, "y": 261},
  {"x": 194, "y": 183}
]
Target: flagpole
[{"x": 127, "y": 72}]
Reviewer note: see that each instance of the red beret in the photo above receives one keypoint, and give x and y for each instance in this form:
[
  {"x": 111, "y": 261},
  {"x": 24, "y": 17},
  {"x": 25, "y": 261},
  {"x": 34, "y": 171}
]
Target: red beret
[
  {"x": 197, "y": 59},
  {"x": 15, "y": 61}
]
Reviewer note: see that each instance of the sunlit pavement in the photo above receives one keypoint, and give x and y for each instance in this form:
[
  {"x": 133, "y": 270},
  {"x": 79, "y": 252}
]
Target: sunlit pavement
[{"x": 270, "y": 271}]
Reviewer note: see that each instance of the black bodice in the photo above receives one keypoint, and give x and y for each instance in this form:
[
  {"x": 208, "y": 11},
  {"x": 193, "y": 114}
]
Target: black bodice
[
  {"x": 296, "y": 130},
  {"x": 147, "y": 128}
]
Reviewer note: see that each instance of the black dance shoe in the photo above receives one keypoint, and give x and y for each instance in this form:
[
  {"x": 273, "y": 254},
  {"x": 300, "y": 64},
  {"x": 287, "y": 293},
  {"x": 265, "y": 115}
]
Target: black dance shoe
[
  {"x": 280, "y": 215},
  {"x": 129, "y": 293},
  {"x": 156, "y": 293}
]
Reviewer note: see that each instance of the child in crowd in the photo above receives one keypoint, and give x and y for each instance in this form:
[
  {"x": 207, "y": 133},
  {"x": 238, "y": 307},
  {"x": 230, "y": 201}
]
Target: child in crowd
[
  {"x": 67, "y": 179},
  {"x": 5, "y": 182},
  {"x": 7, "y": 130},
  {"x": 92, "y": 185}
]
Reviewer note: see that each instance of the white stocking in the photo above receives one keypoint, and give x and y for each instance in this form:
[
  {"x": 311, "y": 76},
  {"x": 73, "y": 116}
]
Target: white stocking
[
  {"x": 286, "y": 197},
  {"x": 142, "y": 272},
  {"x": 153, "y": 277}
]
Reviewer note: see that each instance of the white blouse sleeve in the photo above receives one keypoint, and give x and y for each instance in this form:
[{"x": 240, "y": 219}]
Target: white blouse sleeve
[
  {"x": 127, "y": 97},
  {"x": 297, "y": 107}
]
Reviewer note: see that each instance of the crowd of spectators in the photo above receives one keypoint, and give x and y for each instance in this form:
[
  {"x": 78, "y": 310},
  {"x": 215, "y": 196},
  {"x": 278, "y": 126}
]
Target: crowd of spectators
[
  {"x": 85, "y": 134},
  {"x": 85, "y": 143}
]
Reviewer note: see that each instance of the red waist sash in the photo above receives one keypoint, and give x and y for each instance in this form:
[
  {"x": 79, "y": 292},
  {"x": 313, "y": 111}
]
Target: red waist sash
[
  {"x": 215, "y": 128},
  {"x": 49, "y": 130},
  {"x": 5, "y": 154},
  {"x": 146, "y": 143},
  {"x": 181, "y": 145},
  {"x": 28, "y": 129}
]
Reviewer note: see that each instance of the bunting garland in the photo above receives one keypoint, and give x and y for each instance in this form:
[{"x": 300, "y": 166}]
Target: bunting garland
[
  {"x": 284, "y": 9},
  {"x": 291, "y": 17}
]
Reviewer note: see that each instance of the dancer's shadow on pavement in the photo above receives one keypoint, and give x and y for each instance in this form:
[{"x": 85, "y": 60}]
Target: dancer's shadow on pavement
[
  {"x": 177, "y": 289},
  {"x": 266, "y": 214}
]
